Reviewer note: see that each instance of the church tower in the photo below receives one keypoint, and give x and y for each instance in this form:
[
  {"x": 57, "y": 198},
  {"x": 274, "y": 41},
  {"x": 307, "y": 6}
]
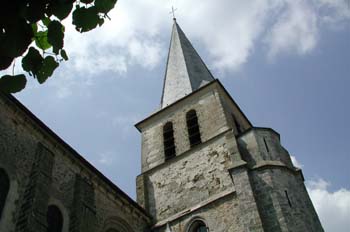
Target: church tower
[{"x": 205, "y": 167}]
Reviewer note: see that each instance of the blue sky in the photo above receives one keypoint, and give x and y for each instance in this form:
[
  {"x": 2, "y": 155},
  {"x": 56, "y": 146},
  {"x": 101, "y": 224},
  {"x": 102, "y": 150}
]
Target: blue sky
[{"x": 285, "y": 62}]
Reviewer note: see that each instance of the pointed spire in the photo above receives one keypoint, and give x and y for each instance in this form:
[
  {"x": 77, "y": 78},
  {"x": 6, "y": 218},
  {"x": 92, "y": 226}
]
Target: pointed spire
[{"x": 185, "y": 70}]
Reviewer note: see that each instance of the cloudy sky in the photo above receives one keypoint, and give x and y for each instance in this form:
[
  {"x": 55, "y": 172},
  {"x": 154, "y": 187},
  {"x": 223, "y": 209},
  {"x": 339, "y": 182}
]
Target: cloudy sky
[{"x": 285, "y": 62}]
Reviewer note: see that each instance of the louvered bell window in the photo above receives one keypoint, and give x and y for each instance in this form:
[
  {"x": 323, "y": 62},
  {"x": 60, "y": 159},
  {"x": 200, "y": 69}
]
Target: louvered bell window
[
  {"x": 169, "y": 141},
  {"x": 194, "y": 135}
]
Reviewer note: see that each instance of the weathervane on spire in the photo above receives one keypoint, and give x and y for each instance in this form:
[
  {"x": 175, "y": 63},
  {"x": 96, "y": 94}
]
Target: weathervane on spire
[{"x": 173, "y": 12}]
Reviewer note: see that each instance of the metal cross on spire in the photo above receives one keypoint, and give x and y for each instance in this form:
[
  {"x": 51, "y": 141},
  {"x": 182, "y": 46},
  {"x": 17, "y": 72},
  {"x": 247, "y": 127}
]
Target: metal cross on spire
[{"x": 173, "y": 12}]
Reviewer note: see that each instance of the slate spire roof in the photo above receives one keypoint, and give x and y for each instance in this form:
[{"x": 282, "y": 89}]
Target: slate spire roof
[{"x": 185, "y": 71}]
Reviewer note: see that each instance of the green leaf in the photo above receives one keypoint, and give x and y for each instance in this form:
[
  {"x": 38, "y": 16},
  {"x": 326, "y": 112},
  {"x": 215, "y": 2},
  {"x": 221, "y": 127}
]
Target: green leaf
[
  {"x": 46, "y": 21},
  {"x": 41, "y": 40},
  {"x": 34, "y": 27},
  {"x": 104, "y": 6},
  {"x": 55, "y": 35},
  {"x": 100, "y": 21},
  {"x": 32, "y": 61},
  {"x": 60, "y": 9},
  {"x": 64, "y": 54},
  {"x": 17, "y": 38},
  {"x": 12, "y": 84},
  {"x": 33, "y": 11},
  {"x": 85, "y": 19},
  {"x": 48, "y": 67},
  {"x": 5, "y": 62}
]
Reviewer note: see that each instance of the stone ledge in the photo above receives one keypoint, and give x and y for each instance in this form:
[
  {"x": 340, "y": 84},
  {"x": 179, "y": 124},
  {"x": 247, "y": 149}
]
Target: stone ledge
[
  {"x": 258, "y": 128},
  {"x": 274, "y": 164},
  {"x": 194, "y": 208},
  {"x": 264, "y": 165},
  {"x": 238, "y": 164}
]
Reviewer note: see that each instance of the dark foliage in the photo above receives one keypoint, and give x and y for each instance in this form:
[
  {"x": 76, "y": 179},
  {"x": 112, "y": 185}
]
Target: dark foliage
[{"x": 24, "y": 23}]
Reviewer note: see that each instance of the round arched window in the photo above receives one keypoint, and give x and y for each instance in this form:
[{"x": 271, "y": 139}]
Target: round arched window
[
  {"x": 198, "y": 226},
  {"x": 54, "y": 219},
  {"x": 112, "y": 230},
  {"x": 4, "y": 189},
  {"x": 194, "y": 134}
]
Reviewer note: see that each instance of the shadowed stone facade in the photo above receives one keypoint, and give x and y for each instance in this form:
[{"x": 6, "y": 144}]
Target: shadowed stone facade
[
  {"x": 234, "y": 178},
  {"x": 43, "y": 171}
]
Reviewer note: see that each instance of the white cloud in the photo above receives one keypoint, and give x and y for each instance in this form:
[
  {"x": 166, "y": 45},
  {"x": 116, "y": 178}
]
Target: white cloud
[
  {"x": 145, "y": 53},
  {"x": 121, "y": 120},
  {"x": 333, "y": 207},
  {"x": 68, "y": 82},
  {"x": 229, "y": 31},
  {"x": 295, "y": 162},
  {"x": 123, "y": 123},
  {"x": 295, "y": 29},
  {"x": 333, "y": 11},
  {"x": 105, "y": 159},
  {"x": 128, "y": 39}
]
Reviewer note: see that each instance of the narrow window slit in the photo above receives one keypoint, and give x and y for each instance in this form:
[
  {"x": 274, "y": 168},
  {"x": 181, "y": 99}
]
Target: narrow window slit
[
  {"x": 193, "y": 128},
  {"x": 237, "y": 125},
  {"x": 4, "y": 189},
  {"x": 267, "y": 147},
  {"x": 289, "y": 202}
]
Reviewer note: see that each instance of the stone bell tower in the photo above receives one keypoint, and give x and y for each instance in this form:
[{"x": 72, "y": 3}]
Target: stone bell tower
[{"x": 205, "y": 167}]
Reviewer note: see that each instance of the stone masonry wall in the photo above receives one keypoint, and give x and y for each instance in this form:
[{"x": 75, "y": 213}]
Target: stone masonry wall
[
  {"x": 220, "y": 216},
  {"x": 250, "y": 168},
  {"x": 189, "y": 179},
  {"x": 232, "y": 113},
  {"x": 104, "y": 207},
  {"x": 200, "y": 174},
  {"x": 262, "y": 146},
  {"x": 280, "y": 193},
  {"x": 284, "y": 202},
  {"x": 211, "y": 120},
  {"x": 32, "y": 213},
  {"x": 201, "y": 184}
]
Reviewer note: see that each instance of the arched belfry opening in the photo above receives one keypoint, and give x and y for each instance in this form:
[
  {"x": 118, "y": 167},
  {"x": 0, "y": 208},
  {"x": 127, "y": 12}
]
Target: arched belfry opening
[
  {"x": 4, "y": 189},
  {"x": 116, "y": 224},
  {"x": 198, "y": 226},
  {"x": 54, "y": 219},
  {"x": 169, "y": 141},
  {"x": 112, "y": 230},
  {"x": 194, "y": 135}
]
